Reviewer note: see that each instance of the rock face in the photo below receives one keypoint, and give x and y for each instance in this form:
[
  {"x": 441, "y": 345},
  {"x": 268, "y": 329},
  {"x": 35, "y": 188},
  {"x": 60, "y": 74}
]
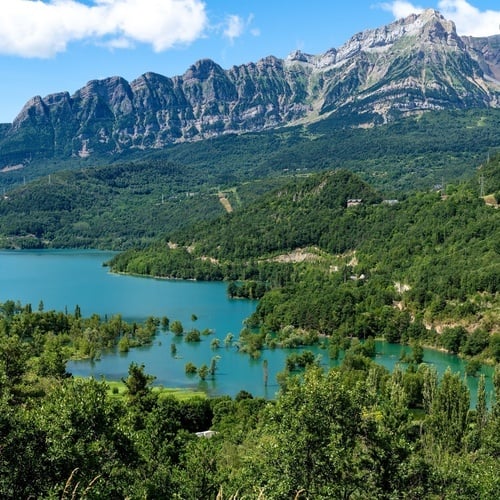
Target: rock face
[{"x": 415, "y": 64}]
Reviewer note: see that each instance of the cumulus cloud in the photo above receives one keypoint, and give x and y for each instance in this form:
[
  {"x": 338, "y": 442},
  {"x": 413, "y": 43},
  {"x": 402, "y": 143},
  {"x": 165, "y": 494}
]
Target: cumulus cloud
[
  {"x": 36, "y": 28},
  {"x": 468, "y": 19}
]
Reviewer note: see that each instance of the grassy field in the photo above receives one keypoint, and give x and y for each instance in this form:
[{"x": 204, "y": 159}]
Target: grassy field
[{"x": 118, "y": 389}]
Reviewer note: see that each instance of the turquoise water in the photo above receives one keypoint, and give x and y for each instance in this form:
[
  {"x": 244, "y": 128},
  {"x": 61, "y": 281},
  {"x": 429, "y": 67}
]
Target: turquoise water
[{"x": 64, "y": 278}]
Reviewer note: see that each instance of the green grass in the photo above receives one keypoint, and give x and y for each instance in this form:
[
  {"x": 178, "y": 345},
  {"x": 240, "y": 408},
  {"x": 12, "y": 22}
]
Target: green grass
[{"x": 118, "y": 389}]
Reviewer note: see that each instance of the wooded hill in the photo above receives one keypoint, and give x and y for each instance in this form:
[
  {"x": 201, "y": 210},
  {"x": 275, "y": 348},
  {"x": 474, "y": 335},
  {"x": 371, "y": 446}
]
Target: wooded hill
[
  {"x": 319, "y": 265},
  {"x": 139, "y": 198}
]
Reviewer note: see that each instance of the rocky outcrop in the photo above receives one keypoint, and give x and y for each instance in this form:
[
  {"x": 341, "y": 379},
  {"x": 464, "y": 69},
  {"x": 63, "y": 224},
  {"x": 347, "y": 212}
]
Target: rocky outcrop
[{"x": 415, "y": 64}]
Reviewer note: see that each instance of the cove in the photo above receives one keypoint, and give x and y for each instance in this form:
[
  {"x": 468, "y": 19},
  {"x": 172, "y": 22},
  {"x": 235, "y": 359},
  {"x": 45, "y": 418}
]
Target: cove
[{"x": 64, "y": 278}]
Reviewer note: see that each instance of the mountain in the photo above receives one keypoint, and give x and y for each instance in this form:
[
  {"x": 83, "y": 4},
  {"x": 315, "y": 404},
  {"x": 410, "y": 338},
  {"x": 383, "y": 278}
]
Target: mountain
[{"x": 412, "y": 65}]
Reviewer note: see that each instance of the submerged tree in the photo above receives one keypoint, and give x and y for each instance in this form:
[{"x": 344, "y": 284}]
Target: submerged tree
[
  {"x": 203, "y": 372},
  {"x": 176, "y": 327}
]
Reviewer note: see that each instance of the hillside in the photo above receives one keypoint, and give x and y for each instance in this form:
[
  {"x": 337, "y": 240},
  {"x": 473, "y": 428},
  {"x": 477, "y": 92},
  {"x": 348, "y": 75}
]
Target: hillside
[
  {"x": 130, "y": 203},
  {"x": 435, "y": 256}
]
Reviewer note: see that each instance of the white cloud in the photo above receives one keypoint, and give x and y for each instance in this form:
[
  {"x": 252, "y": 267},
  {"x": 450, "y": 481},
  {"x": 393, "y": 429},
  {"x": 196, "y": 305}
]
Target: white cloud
[
  {"x": 401, "y": 9},
  {"x": 468, "y": 19},
  {"x": 44, "y": 28},
  {"x": 235, "y": 27}
]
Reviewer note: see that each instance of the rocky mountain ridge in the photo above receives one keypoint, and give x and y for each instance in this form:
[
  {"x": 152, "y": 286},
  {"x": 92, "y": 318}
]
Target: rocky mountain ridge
[{"x": 411, "y": 65}]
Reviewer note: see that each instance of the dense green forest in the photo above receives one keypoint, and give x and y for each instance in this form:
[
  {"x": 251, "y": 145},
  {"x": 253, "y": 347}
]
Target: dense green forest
[
  {"x": 321, "y": 266},
  {"x": 130, "y": 200},
  {"x": 354, "y": 432},
  {"x": 421, "y": 267}
]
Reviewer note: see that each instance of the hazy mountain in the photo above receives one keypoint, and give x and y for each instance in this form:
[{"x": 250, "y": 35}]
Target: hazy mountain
[{"x": 412, "y": 65}]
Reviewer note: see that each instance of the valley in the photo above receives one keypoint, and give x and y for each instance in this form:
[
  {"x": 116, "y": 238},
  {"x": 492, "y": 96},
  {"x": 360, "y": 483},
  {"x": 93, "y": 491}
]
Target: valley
[{"x": 308, "y": 246}]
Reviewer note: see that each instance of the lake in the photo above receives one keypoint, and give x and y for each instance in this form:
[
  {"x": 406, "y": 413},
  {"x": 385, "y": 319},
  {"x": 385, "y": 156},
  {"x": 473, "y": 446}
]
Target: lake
[{"x": 62, "y": 279}]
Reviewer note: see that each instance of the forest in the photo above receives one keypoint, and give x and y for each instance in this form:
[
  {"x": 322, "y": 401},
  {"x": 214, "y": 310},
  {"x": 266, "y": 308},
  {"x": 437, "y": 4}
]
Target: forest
[
  {"x": 131, "y": 200},
  {"x": 356, "y": 431}
]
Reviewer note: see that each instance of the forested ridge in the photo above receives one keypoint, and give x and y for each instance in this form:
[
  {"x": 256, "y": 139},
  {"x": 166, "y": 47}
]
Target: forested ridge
[
  {"x": 434, "y": 255},
  {"x": 135, "y": 198}
]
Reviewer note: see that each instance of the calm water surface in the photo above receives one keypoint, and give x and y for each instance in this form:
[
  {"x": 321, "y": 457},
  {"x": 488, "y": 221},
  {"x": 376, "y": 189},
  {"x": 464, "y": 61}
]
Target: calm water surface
[{"x": 64, "y": 278}]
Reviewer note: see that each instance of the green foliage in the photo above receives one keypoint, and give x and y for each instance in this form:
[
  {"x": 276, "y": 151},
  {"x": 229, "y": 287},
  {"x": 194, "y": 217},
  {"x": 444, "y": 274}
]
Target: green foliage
[
  {"x": 453, "y": 338},
  {"x": 472, "y": 367},
  {"x": 359, "y": 262},
  {"x": 297, "y": 361},
  {"x": 190, "y": 368},
  {"x": 176, "y": 327},
  {"x": 165, "y": 323},
  {"x": 138, "y": 381},
  {"x": 335, "y": 434},
  {"x": 193, "y": 336},
  {"x": 131, "y": 202},
  {"x": 203, "y": 371},
  {"x": 373, "y": 270},
  {"x": 449, "y": 411}
]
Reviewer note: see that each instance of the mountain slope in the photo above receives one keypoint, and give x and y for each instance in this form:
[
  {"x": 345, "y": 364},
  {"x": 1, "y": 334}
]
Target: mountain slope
[
  {"x": 127, "y": 204},
  {"x": 415, "y": 64}
]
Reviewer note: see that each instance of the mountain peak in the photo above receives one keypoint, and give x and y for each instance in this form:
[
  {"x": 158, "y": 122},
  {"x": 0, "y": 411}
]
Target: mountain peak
[
  {"x": 431, "y": 26},
  {"x": 378, "y": 75},
  {"x": 427, "y": 27}
]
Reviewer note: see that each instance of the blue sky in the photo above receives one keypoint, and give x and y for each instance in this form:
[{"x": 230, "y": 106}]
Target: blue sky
[{"x": 47, "y": 46}]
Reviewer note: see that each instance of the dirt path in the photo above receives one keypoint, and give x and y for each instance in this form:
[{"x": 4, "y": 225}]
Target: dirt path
[{"x": 225, "y": 203}]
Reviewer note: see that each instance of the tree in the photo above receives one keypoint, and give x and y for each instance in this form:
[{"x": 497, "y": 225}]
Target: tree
[
  {"x": 418, "y": 353},
  {"x": 472, "y": 367},
  {"x": 494, "y": 347},
  {"x": 190, "y": 368},
  {"x": 476, "y": 342},
  {"x": 52, "y": 360},
  {"x": 429, "y": 387},
  {"x": 124, "y": 344},
  {"x": 203, "y": 372},
  {"x": 312, "y": 440},
  {"x": 228, "y": 340},
  {"x": 213, "y": 365},
  {"x": 165, "y": 323},
  {"x": 193, "y": 336},
  {"x": 138, "y": 382},
  {"x": 447, "y": 420},
  {"x": 452, "y": 338},
  {"x": 176, "y": 327},
  {"x": 481, "y": 408},
  {"x": 232, "y": 289},
  {"x": 199, "y": 476},
  {"x": 83, "y": 434},
  {"x": 14, "y": 356}
]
